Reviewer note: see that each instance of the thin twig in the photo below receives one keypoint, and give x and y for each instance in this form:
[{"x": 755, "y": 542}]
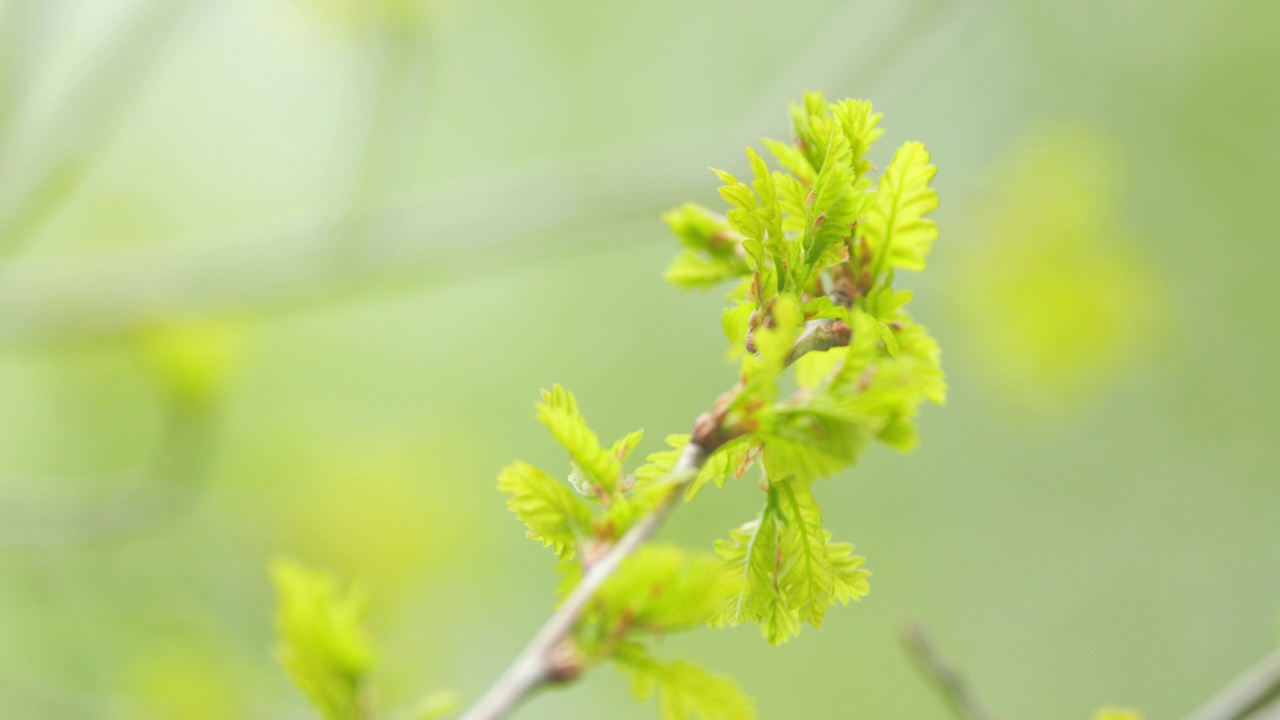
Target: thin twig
[
  {"x": 84, "y": 123},
  {"x": 943, "y": 676},
  {"x": 15, "y": 41},
  {"x": 144, "y": 497},
  {"x": 1256, "y": 689},
  {"x": 534, "y": 665},
  {"x": 817, "y": 336}
]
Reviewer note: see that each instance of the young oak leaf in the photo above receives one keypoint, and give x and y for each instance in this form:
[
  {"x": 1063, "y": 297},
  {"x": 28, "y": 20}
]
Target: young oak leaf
[
  {"x": 685, "y": 691},
  {"x": 322, "y": 643},
  {"x": 850, "y": 578},
  {"x": 693, "y": 271},
  {"x": 790, "y": 569},
  {"x": 596, "y": 469},
  {"x": 835, "y": 201},
  {"x": 744, "y": 217},
  {"x": 861, "y": 126},
  {"x": 773, "y": 343},
  {"x": 731, "y": 460},
  {"x": 752, "y": 554},
  {"x": 790, "y": 157},
  {"x": 728, "y": 460},
  {"x": 895, "y": 226},
  {"x": 552, "y": 513},
  {"x": 623, "y": 446},
  {"x": 662, "y": 589},
  {"x": 812, "y": 127},
  {"x": 1114, "y": 713},
  {"x": 712, "y": 250},
  {"x": 769, "y": 210},
  {"x": 807, "y": 580},
  {"x": 811, "y": 439}
]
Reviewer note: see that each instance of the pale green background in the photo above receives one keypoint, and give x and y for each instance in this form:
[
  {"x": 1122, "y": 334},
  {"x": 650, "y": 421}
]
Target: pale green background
[{"x": 1094, "y": 518}]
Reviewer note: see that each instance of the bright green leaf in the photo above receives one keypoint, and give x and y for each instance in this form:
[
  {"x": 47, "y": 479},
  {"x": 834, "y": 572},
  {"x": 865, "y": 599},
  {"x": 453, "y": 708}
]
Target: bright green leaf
[
  {"x": 553, "y": 514},
  {"x": 685, "y": 691},
  {"x": 895, "y": 225},
  {"x": 594, "y": 466},
  {"x": 322, "y": 643}
]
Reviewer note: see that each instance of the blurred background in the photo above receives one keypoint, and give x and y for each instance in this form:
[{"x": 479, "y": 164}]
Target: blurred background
[{"x": 285, "y": 278}]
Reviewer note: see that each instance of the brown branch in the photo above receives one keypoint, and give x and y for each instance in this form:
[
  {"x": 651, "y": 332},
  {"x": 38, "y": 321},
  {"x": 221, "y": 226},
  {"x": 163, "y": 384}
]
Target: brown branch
[{"x": 945, "y": 679}]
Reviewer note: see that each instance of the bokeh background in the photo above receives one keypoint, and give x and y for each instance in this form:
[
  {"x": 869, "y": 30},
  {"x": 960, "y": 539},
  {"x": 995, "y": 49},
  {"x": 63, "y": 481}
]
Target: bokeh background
[{"x": 285, "y": 278}]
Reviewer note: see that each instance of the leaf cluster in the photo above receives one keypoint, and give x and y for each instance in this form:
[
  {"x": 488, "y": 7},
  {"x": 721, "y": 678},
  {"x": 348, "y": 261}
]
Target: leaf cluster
[
  {"x": 325, "y": 649},
  {"x": 810, "y": 252},
  {"x": 660, "y": 589},
  {"x": 790, "y": 570},
  {"x": 322, "y": 643}
]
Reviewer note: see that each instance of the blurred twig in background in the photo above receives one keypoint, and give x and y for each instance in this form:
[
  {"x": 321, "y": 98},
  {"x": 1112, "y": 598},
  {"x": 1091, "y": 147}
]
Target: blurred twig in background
[
  {"x": 395, "y": 106},
  {"x": 942, "y": 676},
  {"x": 143, "y": 497},
  {"x": 14, "y": 18},
  {"x": 82, "y": 124}
]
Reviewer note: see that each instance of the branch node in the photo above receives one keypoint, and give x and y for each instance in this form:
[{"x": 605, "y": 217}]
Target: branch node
[{"x": 564, "y": 662}]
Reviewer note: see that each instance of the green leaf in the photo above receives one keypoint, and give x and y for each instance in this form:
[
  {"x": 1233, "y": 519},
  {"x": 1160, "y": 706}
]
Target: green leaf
[
  {"x": 701, "y": 229},
  {"x": 773, "y": 344},
  {"x": 743, "y": 217},
  {"x": 553, "y": 514},
  {"x": 732, "y": 459},
  {"x": 793, "y": 197},
  {"x": 895, "y": 226},
  {"x": 815, "y": 368},
  {"x": 662, "y": 589},
  {"x": 769, "y": 210},
  {"x": 728, "y": 460},
  {"x": 693, "y": 271},
  {"x": 752, "y": 554},
  {"x": 192, "y": 359},
  {"x": 623, "y": 446},
  {"x": 812, "y": 439},
  {"x": 685, "y": 691},
  {"x": 436, "y": 705},
  {"x": 850, "y": 579},
  {"x": 322, "y": 644},
  {"x": 594, "y": 467},
  {"x": 660, "y": 464},
  {"x": 790, "y": 157},
  {"x": 833, "y": 203},
  {"x": 1114, "y": 713},
  {"x": 735, "y": 322},
  {"x": 806, "y": 581},
  {"x": 812, "y": 127},
  {"x": 860, "y": 125},
  {"x": 790, "y": 570},
  {"x": 713, "y": 252}
]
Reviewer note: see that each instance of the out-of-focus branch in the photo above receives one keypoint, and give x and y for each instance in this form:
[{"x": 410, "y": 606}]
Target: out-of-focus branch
[
  {"x": 145, "y": 496},
  {"x": 82, "y": 125},
  {"x": 1256, "y": 690},
  {"x": 942, "y": 675},
  {"x": 386, "y": 143},
  {"x": 14, "y": 34},
  {"x": 412, "y": 234}
]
